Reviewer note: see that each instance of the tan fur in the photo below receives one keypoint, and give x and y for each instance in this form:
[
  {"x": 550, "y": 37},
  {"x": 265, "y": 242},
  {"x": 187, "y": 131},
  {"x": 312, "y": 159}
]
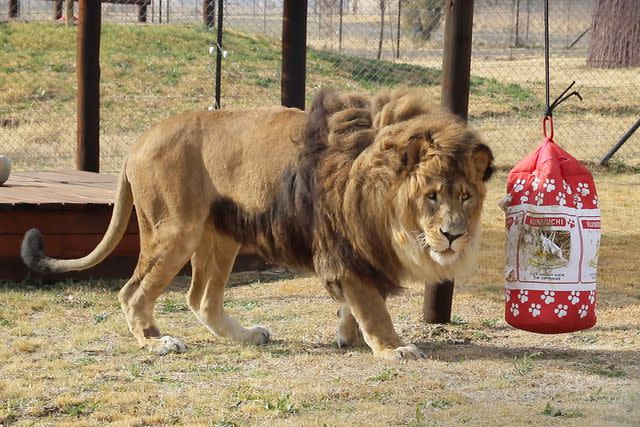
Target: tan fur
[{"x": 341, "y": 190}]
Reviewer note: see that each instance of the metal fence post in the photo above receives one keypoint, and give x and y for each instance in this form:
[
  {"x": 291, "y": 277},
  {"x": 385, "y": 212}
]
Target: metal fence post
[
  {"x": 456, "y": 65},
  {"x": 294, "y": 53},
  {"x": 88, "y": 70},
  {"x": 219, "y": 52}
]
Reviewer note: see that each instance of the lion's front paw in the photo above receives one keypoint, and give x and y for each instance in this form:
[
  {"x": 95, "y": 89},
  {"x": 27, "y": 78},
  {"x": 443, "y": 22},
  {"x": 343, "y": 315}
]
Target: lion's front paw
[
  {"x": 408, "y": 352},
  {"x": 257, "y": 335},
  {"x": 166, "y": 345}
]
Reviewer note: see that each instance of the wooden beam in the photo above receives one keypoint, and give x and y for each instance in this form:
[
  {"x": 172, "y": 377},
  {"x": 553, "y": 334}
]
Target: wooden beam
[
  {"x": 456, "y": 68},
  {"x": 294, "y": 53},
  {"x": 88, "y": 75}
]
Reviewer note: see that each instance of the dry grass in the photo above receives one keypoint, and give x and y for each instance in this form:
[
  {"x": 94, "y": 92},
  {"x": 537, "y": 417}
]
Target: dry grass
[{"x": 68, "y": 359}]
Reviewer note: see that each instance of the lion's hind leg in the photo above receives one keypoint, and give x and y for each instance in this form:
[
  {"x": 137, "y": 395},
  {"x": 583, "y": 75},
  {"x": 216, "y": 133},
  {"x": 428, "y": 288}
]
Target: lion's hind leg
[
  {"x": 163, "y": 253},
  {"x": 211, "y": 266},
  {"x": 349, "y": 333}
]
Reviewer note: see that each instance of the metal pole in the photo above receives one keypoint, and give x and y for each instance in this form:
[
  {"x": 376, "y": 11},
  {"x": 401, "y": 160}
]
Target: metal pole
[
  {"x": 398, "y": 37},
  {"x": 620, "y": 143},
  {"x": 340, "y": 30},
  {"x": 546, "y": 54},
  {"x": 456, "y": 68},
  {"x": 219, "y": 53},
  {"x": 294, "y": 53},
  {"x": 88, "y": 66}
]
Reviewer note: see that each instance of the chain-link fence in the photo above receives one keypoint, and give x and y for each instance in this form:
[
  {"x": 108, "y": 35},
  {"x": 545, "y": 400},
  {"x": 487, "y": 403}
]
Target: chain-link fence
[{"x": 167, "y": 65}]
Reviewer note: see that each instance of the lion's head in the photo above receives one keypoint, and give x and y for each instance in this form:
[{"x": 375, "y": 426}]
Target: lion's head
[{"x": 414, "y": 192}]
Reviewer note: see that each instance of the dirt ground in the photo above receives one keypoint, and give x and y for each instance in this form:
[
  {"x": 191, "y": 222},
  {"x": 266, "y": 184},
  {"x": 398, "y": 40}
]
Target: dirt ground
[{"x": 68, "y": 359}]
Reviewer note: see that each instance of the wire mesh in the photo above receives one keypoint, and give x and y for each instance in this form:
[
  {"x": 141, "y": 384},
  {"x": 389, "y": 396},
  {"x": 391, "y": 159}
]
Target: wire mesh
[{"x": 158, "y": 59}]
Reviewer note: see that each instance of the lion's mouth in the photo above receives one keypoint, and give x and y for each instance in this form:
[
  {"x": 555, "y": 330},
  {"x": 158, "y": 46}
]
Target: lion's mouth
[{"x": 447, "y": 252}]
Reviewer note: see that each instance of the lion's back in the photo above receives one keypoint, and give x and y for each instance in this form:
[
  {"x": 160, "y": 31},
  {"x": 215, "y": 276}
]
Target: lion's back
[{"x": 240, "y": 154}]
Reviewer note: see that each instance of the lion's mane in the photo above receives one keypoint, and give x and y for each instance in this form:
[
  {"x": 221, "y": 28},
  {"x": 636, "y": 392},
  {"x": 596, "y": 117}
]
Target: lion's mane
[{"x": 332, "y": 213}]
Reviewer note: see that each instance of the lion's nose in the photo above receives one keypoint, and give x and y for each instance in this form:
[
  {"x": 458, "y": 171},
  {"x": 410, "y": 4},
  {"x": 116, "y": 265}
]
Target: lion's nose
[{"x": 450, "y": 237}]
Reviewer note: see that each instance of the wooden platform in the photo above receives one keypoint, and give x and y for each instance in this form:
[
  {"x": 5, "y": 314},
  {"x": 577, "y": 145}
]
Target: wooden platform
[{"x": 72, "y": 209}]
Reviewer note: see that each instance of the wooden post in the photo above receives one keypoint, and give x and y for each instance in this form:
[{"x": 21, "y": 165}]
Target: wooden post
[
  {"x": 456, "y": 64},
  {"x": 294, "y": 53},
  {"x": 209, "y": 13},
  {"x": 142, "y": 11},
  {"x": 88, "y": 71},
  {"x": 456, "y": 67},
  {"x": 14, "y": 7},
  {"x": 57, "y": 9}
]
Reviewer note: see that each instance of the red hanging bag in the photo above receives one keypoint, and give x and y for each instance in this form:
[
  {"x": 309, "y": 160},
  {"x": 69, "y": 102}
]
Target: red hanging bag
[{"x": 553, "y": 237}]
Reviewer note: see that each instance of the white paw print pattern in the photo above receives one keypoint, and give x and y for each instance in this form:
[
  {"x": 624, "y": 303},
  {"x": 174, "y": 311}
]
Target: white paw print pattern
[
  {"x": 539, "y": 198},
  {"x": 561, "y": 199},
  {"x": 535, "y": 183},
  {"x": 548, "y": 297},
  {"x": 507, "y": 295},
  {"x": 583, "y": 188},
  {"x": 535, "y": 309},
  {"x": 523, "y": 296},
  {"x": 514, "y": 309},
  {"x": 561, "y": 310},
  {"x": 525, "y": 197},
  {"x": 566, "y": 187},
  {"x": 595, "y": 201},
  {"x": 519, "y": 185},
  {"x": 592, "y": 296},
  {"x": 583, "y": 311},
  {"x": 549, "y": 185},
  {"x": 574, "y": 297},
  {"x": 578, "y": 201}
]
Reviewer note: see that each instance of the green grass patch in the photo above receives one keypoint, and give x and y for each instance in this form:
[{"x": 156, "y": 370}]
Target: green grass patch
[
  {"x": 38, "y": 66},
  {"x": 385, "y": 375},
  {"x": 552, "y": 411},
  {"x": 610, "y": 371},
  {"x": 525, "y": 365}
]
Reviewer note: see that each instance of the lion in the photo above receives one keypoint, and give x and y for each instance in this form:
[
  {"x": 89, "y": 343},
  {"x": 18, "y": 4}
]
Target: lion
[{"x": 367, "y": 192}]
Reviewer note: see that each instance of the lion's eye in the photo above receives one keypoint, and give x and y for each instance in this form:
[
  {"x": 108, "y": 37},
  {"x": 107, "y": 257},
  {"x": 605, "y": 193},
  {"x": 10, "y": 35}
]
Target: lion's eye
[
  {"x": 465, "y": 197},
  {"x": 432, "y": 196}
]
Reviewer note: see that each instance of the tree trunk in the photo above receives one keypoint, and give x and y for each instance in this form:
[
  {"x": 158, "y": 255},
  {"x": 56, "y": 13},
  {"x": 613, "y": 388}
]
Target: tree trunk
[
  {"x": 379, "y": 55},
  {"x": 615, "y": 34}
]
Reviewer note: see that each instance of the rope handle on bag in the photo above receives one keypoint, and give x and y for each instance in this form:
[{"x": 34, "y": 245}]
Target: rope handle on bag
[{"x": 545, "y": 121}]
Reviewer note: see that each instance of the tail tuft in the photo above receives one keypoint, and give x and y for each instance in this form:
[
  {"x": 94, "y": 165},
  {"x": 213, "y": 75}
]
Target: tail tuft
[{"x": 32, "y": 251}]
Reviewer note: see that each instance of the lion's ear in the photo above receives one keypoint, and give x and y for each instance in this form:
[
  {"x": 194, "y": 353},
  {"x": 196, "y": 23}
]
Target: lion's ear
[{"x": 483, "y": 160}]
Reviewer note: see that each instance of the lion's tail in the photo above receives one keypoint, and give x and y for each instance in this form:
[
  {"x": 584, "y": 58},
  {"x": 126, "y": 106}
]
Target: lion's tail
[{"x": 32, "y": 250}]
